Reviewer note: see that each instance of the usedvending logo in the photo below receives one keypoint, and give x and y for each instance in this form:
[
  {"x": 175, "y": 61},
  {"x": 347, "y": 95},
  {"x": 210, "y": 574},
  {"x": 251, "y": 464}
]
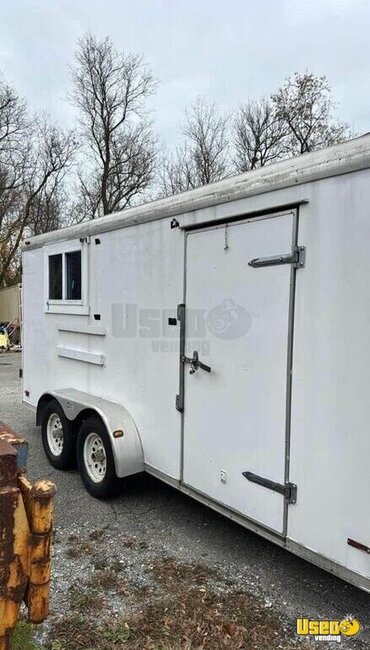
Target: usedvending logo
[
  {"x": 229, "y": 320},
  {"x": 328, "y": 629}
]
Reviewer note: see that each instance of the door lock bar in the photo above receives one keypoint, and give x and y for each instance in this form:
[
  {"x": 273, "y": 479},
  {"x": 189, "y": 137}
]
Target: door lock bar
[
  {"x": 289, "y": 490},
  {"x": 297, "y": 258}
]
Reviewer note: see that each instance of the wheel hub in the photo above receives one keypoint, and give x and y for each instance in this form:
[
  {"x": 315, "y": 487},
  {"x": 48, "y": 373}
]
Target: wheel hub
[
  {"x": 55, "y": 435},
  {"x": 95, "y": 457},
  {"x": 98, "y": 456}
]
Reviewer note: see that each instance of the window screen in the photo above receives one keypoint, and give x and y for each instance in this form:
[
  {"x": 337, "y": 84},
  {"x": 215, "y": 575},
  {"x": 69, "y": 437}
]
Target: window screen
[
  {"x": 55, "y": 277},
  {"x": 73, "y": 270}
]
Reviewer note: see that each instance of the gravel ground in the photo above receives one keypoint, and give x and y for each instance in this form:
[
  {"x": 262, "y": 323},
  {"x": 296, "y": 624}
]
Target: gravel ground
[{"x": 151, "y": 520}]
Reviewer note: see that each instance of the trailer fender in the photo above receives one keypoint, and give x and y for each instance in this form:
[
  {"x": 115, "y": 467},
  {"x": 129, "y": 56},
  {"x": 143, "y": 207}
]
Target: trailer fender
[{"x": 126, "y": 444}]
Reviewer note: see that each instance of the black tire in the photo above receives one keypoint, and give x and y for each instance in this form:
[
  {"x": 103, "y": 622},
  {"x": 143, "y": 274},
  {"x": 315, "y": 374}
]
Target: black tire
[
  {"x": 66, "y": 457},
  {"x": 105, "y": 483}
]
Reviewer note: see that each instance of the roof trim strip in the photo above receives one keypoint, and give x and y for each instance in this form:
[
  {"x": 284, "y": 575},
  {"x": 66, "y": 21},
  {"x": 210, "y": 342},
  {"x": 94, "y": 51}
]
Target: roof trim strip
[{"x": 350, "y": 156}]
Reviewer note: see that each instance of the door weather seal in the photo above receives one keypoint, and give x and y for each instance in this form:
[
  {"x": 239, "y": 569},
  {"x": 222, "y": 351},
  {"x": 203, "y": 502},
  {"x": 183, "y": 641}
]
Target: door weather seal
[{"x": 289, "y": 490}]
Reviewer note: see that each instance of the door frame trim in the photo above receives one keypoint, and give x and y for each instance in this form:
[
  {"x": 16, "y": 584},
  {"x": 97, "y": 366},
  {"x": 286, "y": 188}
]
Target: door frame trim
[
  {"x": 289, "y": 375},
  {"x": 254, "y": 214}
]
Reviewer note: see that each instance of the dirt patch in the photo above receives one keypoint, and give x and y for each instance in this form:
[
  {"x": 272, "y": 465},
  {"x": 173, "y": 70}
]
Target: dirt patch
[
  {"x": 79, "y": 547},
  {"x": 180, "y": 606}
]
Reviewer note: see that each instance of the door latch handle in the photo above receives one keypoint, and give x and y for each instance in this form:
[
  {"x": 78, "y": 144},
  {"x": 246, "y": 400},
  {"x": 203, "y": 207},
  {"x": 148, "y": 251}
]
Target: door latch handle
[{"x": 195, "y": 363}]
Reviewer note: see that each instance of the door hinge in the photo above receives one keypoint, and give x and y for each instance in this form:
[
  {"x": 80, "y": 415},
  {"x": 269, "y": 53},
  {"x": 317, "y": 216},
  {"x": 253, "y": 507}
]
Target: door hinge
[
  {"x": 288, "y": 490},
  {"x": 296, "y": 258},
  {"x": 291, "y": 493}
]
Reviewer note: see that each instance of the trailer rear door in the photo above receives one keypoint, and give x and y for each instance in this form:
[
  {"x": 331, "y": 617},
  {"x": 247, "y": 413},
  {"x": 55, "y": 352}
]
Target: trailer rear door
[{"x": 237, "y": 322}]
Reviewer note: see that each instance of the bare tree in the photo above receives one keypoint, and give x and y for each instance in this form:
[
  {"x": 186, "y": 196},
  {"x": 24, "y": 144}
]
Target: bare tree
[
  {"x": 55, "y": 154},
  {"x": 178, "y": 172},
  {"x": 14, "y": 148},
  {"x": 203, "y": 158},
  {"x": 259, "y": 135},
  {"x": 14, "y": 141},
  {"x": 13, "y": 121},
  {"x": 206, "y": 133},
  {"x": 111, "y": 89},
  {"x": 34, "y": 159},
  {"x": 304, "y": 103}
]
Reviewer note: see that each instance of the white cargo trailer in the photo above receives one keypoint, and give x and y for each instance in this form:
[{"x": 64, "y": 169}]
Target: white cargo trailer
[{"x": 219, "y": 340}]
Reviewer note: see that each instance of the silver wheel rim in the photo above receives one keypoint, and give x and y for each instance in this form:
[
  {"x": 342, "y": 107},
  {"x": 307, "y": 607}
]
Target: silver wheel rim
[
  {"x": 95, "y": 458},
  {"x": 54, "y": 433}
]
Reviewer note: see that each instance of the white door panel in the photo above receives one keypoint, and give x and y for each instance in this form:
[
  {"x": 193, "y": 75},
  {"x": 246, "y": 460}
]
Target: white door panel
[{"x": 235, "y": 416}]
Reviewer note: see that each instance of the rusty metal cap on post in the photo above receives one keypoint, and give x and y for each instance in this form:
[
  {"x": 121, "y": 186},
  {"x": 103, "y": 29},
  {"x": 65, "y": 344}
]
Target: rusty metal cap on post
[{"x": 43, "y": 489}]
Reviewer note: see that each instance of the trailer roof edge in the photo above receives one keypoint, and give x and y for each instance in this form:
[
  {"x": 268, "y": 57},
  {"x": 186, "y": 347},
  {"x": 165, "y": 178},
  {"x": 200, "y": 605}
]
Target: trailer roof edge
[{"x": 347, "y": 157}]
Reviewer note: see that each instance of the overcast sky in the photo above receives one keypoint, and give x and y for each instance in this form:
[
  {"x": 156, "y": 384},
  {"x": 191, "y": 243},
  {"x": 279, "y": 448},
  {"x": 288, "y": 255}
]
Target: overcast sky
[{"x": 227, "y": 50}]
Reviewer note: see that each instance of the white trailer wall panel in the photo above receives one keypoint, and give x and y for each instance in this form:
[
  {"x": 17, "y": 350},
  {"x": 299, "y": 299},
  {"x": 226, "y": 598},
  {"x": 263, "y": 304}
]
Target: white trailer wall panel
[
  {"x": 330, "y": 446},
  {"x": 141, "y": 269},
  {"x": 141, "y": 266}
]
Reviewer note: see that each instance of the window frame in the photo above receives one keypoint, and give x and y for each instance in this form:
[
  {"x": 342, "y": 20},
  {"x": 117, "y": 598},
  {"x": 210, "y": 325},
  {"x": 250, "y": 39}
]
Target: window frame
[{"x": 64, "y": 305}]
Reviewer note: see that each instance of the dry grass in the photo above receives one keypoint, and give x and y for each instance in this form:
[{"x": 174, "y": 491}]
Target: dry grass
[
  {"x": 97, "y": 535},
  {"x": 197, "y": 618},
  {"x": 189, "y": 608},
  {"x": 82, "y": 599},
  {"x": 78, "y": 547}
]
